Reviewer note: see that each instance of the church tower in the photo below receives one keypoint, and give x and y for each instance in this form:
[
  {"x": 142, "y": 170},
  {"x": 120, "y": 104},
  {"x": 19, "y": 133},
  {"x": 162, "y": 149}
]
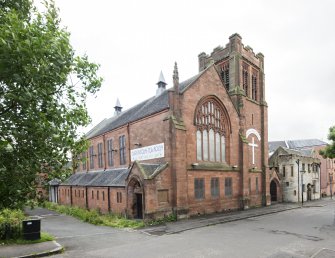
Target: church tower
[{"x": 242, "y": 74}]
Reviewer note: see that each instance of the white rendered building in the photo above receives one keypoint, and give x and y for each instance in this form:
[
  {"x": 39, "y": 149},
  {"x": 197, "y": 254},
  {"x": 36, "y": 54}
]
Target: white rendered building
[{"x": 299, "y": 174}]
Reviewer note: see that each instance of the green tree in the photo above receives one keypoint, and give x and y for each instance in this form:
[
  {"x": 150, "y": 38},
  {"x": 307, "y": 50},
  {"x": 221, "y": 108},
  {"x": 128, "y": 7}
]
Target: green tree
[
  {"x": 43, "y": 91},
  {"x": 329, "y": 151}
]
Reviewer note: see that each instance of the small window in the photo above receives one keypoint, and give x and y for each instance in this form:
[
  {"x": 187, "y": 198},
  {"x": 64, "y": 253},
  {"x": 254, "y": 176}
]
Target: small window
[
  {"x": 97, "y": 195},
  {"x": 215, "y": 188},
  {"x": 199, "y": 188},
  {"x": 284, "y": 171},
  {"x": 228, "y": 186},
  {"x": 303, "y": 167},
  {"x": 287, "y": 183},
  {"x": 295, "y": 192},
  {"x": 92, "y": 194},
  {"x": 119, "y": 197},
  {"x": 257, "y": 190},
  {"x": 292, "y": 169},
  {"x": 103, "y": 195}
]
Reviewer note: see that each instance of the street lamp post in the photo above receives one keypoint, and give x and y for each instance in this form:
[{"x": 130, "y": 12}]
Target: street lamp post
[
  {"x": 302, "y": 188},
  {"x": 331, "y": 185}
]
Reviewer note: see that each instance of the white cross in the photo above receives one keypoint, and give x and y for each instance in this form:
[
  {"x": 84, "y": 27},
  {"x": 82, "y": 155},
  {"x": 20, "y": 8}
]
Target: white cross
[{"x": 253, "y": 145}]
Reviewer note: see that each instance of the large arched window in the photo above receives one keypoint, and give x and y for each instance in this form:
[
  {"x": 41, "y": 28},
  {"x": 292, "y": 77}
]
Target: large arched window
[{"x": 210, "y": 123}]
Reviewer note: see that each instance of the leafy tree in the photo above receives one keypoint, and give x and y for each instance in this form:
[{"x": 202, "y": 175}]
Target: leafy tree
[
  {"x": 43, "y": 91},
  {"x": 329, "y": 151}
]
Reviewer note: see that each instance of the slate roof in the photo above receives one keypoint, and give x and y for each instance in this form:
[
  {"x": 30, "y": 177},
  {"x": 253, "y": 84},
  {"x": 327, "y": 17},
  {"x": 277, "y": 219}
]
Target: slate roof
[
  {"x": 54, "y": 181},
  {"x": 299, "y": 144},
  {"x": 151, "y": 170},
  {"x": 146, "y": 108},
  {"x": 305, "y": 152},
  {"x": 112, "y": 177},
  {"x": 295, "y": 144},
  {"x": 275, "y": 144}
]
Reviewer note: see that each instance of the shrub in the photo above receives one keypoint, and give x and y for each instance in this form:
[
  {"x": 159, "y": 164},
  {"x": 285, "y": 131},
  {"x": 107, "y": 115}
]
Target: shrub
[{"x": 10, "y": 224}]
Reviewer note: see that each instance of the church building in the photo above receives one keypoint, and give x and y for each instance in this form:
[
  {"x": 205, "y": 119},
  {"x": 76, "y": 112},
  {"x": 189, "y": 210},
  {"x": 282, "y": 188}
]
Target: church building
[{"x": 198, "y": 147}]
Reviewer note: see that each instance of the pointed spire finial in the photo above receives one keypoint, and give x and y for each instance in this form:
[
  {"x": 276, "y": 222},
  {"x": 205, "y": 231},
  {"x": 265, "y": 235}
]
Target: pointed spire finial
[
  {"x": 118, "y": 107},
  {"x": 161, "y": 78},
  {"x": 175, "y": 79},
  {"x": 175, "y": 71}
]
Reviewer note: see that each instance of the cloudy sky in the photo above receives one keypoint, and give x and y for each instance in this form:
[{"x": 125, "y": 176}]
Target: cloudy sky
[{"x": 134, "y": 40}]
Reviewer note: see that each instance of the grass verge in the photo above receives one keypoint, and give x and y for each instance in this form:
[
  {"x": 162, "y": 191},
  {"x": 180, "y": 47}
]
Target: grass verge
[
  {"x": 20, "y": 241},
  {"x": 94, "y": 216}
]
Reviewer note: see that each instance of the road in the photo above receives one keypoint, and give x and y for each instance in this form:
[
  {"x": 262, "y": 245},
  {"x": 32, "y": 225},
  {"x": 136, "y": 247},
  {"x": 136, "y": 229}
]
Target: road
[{"x": 303, "y": 232}]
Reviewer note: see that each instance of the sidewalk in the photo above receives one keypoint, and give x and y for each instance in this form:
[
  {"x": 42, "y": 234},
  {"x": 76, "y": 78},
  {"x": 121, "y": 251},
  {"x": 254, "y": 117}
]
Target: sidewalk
[
  {"x": 213, "y": 219},
  {"x": 31, "y": 250}
]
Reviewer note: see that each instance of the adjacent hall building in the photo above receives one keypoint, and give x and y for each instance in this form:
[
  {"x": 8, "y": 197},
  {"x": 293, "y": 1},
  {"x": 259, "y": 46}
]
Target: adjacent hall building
[{"x": 198, "y": 147}]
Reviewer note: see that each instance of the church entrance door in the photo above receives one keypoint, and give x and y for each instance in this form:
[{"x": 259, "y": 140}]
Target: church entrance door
[
  {"x": 139, "y": 206},
  {"x": 273, "y": 191}
]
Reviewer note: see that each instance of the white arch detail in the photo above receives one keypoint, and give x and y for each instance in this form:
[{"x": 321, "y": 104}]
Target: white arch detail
[{"x": 253, "y": 131}]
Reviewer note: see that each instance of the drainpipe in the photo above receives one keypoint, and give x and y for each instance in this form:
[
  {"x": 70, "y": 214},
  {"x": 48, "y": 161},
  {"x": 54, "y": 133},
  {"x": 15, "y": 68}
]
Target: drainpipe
[
  {"x": 104, "y": 153},
  {"x": 71, "y": 195},
  {"x": 108, "y": 198},
  {"x": 128, "y": 144},
  {"x": 86, "y": 197}
]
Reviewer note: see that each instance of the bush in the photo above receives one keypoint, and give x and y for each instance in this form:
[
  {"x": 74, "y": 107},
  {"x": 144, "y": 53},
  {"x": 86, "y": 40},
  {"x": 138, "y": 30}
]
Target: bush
[
  {"x": 94, "y": 216},
  {"x": 10, "y": 224}
]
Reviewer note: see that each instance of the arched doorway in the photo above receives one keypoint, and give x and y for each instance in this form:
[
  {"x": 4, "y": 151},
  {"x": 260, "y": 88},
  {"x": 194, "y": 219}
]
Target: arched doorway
[
  {"x": 135, "y": 199},
  {"x": 273, "y": 191}
]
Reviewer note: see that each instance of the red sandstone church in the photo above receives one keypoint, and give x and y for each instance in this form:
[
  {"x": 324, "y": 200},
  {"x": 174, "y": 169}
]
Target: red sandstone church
[{"x": 198, "y": 147}]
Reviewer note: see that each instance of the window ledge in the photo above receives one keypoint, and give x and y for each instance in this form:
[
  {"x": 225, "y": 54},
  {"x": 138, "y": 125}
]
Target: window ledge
[{"x": 212, "y": 167}]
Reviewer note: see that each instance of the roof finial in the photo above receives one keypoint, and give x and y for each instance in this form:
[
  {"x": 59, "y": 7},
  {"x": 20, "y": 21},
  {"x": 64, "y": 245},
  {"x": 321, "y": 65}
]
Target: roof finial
[
  {"x": 175, "y": 72},
  {"x": 161, "y": 84},
  {"x": 118, "y": 107},
  {"x": 175, "y": 79}
]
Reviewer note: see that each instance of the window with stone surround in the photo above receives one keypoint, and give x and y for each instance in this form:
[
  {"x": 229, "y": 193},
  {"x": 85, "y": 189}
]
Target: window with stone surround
[
  {"x": 110, "y": 152},
  {"x": 83, "y": 160},
  {"x": 119, "y": 197},
  {"x": 91, "y": 152},
  {"x": 215, "y": 187},
  {"x": 210, "y": 135},
  {"x": 228, "y": 189},
  {"x": 122, "y": 144},
  {"x": 245, "y": 78},
  {"x": 100, "y": 161},
  {"x": 199, "y": 188},
  {"x": 225, "y": 74}
]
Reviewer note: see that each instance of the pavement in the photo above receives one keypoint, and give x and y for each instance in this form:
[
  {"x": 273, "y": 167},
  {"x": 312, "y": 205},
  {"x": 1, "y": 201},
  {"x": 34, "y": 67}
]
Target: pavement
[{"x": 52, "y": 247}]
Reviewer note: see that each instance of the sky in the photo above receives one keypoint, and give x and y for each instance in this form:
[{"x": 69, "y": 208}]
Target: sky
[{"x": 134, "y": 41}]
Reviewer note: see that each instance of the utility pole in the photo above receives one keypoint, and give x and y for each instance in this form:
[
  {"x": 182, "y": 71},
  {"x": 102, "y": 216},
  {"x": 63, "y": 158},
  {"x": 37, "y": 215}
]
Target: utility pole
[{"x": 298, "y": 162}]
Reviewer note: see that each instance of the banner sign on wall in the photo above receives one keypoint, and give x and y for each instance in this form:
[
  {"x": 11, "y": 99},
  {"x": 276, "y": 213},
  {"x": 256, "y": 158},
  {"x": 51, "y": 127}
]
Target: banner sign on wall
[{"x": 148, "y": 152}]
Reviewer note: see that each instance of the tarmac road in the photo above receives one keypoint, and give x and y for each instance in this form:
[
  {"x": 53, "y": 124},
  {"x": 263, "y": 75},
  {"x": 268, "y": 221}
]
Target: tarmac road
[{"x": 300, "y": 232}]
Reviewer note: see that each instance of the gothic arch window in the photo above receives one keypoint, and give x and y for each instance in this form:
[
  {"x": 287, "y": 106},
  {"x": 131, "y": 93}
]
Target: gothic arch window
[
  {"x": 210, "y": 120},
  {"x": 245, "y": 78},
  {"x": 254, "y": 82},
  {"x": 225, "y": 74}
]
